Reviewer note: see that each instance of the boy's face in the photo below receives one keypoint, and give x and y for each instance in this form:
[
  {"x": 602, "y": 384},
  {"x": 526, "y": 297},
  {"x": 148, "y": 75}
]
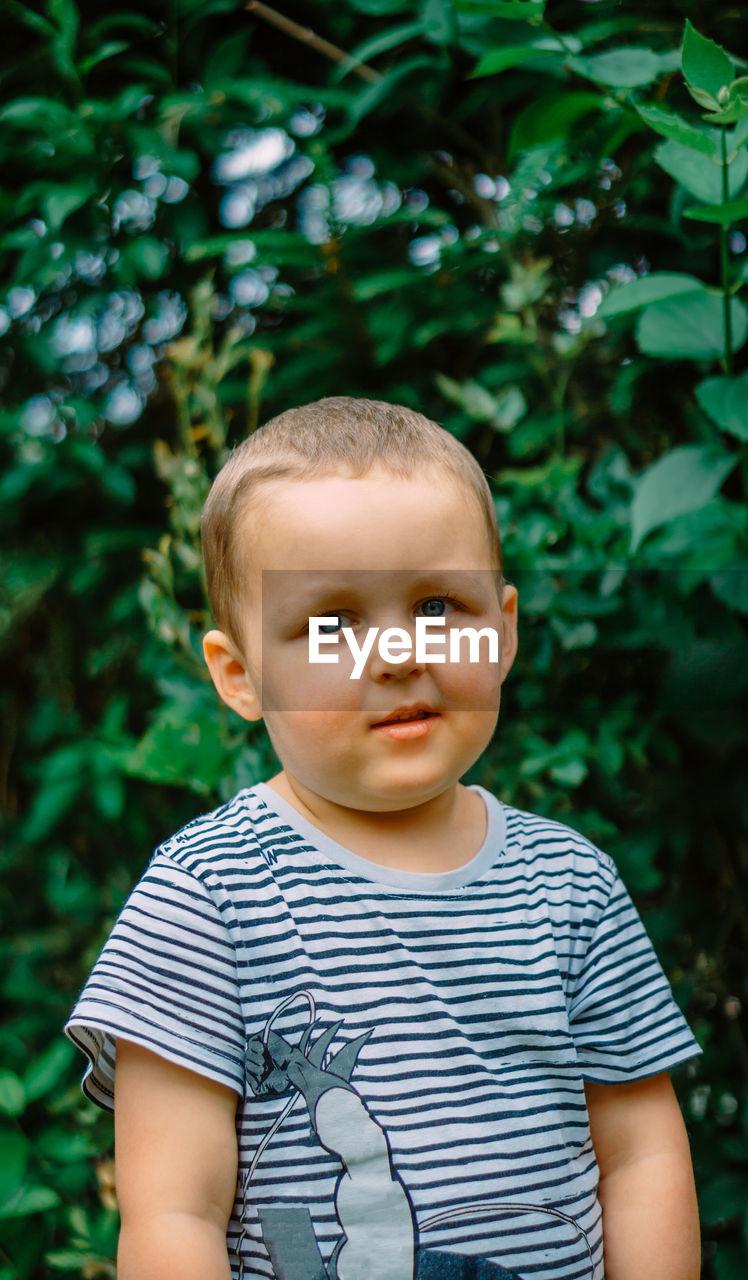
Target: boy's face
[{"x": 375, "y": 551}]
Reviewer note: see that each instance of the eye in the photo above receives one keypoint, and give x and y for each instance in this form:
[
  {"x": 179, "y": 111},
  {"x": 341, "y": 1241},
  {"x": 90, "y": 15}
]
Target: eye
[
  {"x": 437, "y": 606},
  {"x": 343, "y": 620}
]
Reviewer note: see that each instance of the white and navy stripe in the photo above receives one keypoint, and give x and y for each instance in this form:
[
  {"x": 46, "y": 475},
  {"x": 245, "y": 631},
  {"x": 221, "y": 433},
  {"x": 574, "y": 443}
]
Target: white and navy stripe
[{"x": 491, "y": 994}]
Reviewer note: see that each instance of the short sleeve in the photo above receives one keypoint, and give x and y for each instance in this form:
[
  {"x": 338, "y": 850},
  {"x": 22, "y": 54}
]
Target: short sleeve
[
  {"x": 166, "y": 979},
  {"x": 625, "y": 1022}
]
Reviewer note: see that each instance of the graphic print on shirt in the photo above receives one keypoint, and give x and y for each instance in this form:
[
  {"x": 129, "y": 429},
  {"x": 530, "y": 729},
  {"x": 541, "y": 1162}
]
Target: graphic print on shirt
[{"x": 378, "y": 1231}]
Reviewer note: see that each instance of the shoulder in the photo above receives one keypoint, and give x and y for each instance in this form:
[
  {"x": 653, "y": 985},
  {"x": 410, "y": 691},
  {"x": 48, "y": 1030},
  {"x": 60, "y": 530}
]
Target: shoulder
[
  {"x": 552, "y": 848},
  {"x": 240, "y": 834}
]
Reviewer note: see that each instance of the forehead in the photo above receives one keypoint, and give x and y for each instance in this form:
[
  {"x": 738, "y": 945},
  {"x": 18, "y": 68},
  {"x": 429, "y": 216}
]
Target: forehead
[{"x": 375, "y": 521}]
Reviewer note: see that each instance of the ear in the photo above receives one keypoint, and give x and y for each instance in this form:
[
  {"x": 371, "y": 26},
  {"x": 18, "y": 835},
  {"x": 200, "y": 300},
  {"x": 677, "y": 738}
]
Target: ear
[
  {"x": 509, "y": 600},
  {"x": 230, "y": 674}
]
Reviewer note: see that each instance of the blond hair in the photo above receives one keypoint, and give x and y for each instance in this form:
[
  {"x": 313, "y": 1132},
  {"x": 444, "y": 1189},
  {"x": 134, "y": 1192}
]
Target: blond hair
[{"x": 337, "y": 434}]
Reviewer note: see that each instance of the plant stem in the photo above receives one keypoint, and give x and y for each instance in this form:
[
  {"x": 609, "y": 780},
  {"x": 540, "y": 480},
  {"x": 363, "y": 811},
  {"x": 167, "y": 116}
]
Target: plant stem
[
  {"x": 724, "y": 253},
  {"x": 364, "y": 72},
  {"x": 313, "y": 41}
]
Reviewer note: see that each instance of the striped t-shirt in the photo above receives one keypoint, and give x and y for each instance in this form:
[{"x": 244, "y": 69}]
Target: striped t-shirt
[{"x": 409, "y": 1049}]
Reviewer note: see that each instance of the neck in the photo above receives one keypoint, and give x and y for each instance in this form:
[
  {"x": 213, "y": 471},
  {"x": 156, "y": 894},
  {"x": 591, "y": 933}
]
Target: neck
[{"x": 438, "y": 835}]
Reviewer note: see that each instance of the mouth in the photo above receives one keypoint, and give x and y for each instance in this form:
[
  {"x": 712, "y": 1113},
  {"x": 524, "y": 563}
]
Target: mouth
[{"x": 406, "y": 715}]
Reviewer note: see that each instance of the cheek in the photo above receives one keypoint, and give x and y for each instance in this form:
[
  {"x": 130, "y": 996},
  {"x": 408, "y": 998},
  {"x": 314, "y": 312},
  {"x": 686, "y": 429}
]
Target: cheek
[
  {"x": 311, "y": 734},
  {"x": 474, "y": 685},
  {"x": 293, "y": 683}
]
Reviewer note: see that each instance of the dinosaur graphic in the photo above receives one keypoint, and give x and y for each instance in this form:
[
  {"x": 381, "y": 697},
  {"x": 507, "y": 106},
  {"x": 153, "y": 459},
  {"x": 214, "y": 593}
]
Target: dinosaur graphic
[
  {"x": 379, "y": 1237},
  {"x": 378, "y": 1241}
]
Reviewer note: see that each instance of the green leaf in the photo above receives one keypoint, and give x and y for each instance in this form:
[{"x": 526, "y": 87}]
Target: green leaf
[
  {"x": 736, "y": 109},
  {"x": 113, "y": 111},
  {"x": 513, "y": 55},
  {"x": 511, "y": 407},
  {"x": 574, "y": 635},
  {"x": 565, "y": 760},
  {"x": 683, "y": 480},
  {"x": 379, "y": 6},
  {"x": 62, "y": 48},
  {"x": 65, "y": 14},
  {"x": 380, "y": 282},
  {"x": 724, "y": 1196},
  {"x": 147, "y": 256},
  {"x": 702, "y": 180},
  {"x": 729, "y": 1261},
  {"x": 153, "y": 72},
  {"x": 518, "y": 10},
  {"x": 731, "y": 587},
  {"x": 692, "y": 327},
  {"x": 48, "y": 1069},
  {"x": 570, "y": 774},
  {"x": 135, "y": 22},
  {"x": 722, "y": 214},
  {"x": 739, "y": 111},
  {"x": 625, "y": 68},
  {"x": 552, "y": 115},
  {"x": 669, "y": 125},
  {"x": 725, "y": 401},
  {"x": 609, "y": 753},
  {"x": 30, "y": 19},
  {"x": 30, "y": 1200},
  {"x": 703, "y": 539},
  {"x": 438, "y": 21},
  {"x": 652, "y": 288},
  {"x": 214, "y": 246},
  {"x": 64, "y": 1146},
  {"x": 226, "y": 60},
  {"x": 386, "y": 88},
  {"x": 109, "y": 797},
  {"x": 381, "y": 43},
  {"x": 182, "y": 747},
  {"x": 502, "y": 410},
  {"x": 706, "y": 67},
  {"x": 15, "y": 1149},
  {"x": 12, "y": 1094},
  {"x": 51, "y": 803},
  {"x": 108, "y": 50},
  {"x": 65, "y": 1260},
  {"x": 39, "y": 113},
  {"x": 61, "y": 201}
]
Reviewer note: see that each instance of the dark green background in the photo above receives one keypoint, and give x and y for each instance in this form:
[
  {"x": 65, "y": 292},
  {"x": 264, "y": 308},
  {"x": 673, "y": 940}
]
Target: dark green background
[{"x": 412, "y": 232}]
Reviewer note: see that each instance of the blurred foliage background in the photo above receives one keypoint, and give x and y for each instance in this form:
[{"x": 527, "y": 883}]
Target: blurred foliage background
[{"x": 527, "y": 221}]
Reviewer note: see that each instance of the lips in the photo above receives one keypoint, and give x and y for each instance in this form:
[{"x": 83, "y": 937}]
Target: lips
[{"x": 416, "y": 711}]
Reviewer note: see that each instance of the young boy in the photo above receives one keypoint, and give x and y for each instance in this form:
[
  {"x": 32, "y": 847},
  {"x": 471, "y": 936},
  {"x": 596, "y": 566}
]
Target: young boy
[{"x": 370, "y": 1023}]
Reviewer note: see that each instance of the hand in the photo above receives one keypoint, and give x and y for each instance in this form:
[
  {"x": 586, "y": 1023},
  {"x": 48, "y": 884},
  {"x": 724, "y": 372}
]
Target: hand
[{"x": 265, "y": 1076}]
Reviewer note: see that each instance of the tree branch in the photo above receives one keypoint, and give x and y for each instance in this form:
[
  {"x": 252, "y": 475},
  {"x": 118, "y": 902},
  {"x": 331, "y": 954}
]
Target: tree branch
[
  {"x": 312, "y": 40},
  {"x": 328, "y": 50}
]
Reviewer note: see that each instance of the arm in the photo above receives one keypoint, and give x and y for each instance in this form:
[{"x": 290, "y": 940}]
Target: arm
[
  {"x": 650, "y": 1215},
  {"x": 176, "y": 1168}
]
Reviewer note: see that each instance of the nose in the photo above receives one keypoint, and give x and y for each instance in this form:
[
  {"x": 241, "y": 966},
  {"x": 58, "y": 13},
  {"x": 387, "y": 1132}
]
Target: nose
[{"x": 394, "y": 655}]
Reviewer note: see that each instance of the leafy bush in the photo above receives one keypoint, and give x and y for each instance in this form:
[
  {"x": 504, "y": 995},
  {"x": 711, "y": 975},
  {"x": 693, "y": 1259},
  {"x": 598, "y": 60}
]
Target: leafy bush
[{"x": 531, "y": 232}]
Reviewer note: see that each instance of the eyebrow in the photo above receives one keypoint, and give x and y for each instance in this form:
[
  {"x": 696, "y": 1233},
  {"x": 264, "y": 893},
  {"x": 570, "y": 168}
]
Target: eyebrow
[
  {"x": 302, "y": 598},
  {"x": 343, "y": 587}
]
